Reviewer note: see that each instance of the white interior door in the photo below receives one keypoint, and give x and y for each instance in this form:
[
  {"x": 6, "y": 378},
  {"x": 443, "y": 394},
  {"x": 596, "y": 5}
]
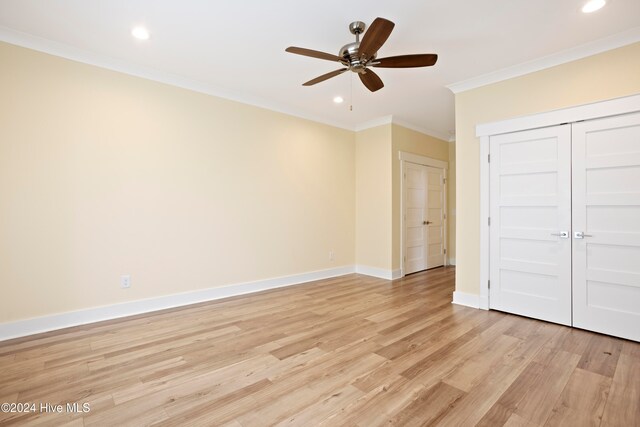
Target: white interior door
[
  {"x": 606, "y": 209},
  {"x": 530, "y": 214},
  {"x": 424, "y": 217},
  {"x": 435, "y": 217},
  {"x": 415, "y": 206}
]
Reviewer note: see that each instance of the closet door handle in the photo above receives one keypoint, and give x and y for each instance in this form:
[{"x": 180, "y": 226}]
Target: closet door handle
[
  {"x": 580, "y": 235},
  {"x": 563, "y": 234}
]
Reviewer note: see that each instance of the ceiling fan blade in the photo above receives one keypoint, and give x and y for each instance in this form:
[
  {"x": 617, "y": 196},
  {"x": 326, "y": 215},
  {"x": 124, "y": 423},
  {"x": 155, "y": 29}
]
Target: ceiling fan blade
[
  {"x": 325, "y": 77},
  {"x": 371, "y": 80},
  {"x": 406, "y": 61},
  {"x": 375, "y": 36},
  {"x": 313, "y": 53}
]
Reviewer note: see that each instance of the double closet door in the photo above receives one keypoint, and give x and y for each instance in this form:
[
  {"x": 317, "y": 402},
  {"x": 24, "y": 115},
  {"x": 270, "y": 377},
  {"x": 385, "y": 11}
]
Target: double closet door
[
  {"x": 424, "y": 217},
  {"x": 565, "y": 224}
]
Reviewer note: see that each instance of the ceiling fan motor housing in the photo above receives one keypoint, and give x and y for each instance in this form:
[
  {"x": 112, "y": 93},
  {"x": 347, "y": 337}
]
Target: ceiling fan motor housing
[
  {"x": 351, "y": 56},
  {"x": 350, "y": 51}
]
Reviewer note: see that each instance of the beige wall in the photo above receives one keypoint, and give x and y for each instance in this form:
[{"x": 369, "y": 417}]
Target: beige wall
[
  {"x": 607, "y": 75},
  {"x": 409, "y": 141},
  {"x": 104, "y": 174},
  {"x": 378, "y": 191},
  {"x": 373, "y": 197}
]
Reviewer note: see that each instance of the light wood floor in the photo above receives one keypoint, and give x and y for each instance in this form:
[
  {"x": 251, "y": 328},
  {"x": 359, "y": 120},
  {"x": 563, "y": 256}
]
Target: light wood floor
[{"x": 347, "y": 351}]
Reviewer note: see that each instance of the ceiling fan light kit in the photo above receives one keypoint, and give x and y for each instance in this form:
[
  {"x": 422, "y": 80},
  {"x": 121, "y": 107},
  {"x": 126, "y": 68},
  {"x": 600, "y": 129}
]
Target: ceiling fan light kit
[{"x": 360, "y": 56}]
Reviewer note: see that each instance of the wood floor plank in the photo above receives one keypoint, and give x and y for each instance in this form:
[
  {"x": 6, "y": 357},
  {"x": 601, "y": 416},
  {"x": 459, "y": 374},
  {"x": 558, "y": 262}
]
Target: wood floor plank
[
  {"x": 623, "y": 404},
  {"x": 324, "y": 407},
  {"x": 534, "y": 393},
  {"x": 428, "y": 407},
  {"x": 582, "y": 401},
  {"x": 351, "y": 350},
  {"x": 378, "y": 405},
  {"x": 478, "y": 366},
  {"x": 601, "y": 355},
  {"x": 299, "y": 398},
  {"x": 466, "y": 344},
  {"x": 442, "y": 323},
  {"x": 470, "y": 409},
  {"x": 249, "y": 377},
  {"x": 631, "y": 348},
  {"x": 497, "y": 415},
  {"x": 516, "y": 420},
  {"x": 207, "y": 411},
  {"x": 570, "y": 340}
]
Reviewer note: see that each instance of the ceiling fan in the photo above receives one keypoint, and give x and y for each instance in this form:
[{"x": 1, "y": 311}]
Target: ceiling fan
[{"x": 360, "y": 56}]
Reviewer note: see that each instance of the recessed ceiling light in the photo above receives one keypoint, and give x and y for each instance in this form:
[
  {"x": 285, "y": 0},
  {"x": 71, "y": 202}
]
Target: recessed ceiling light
[
  {"x": 140, "y": 33},
  {"x": 338, "y": 100},
  {"x": 593, "y": 5}
]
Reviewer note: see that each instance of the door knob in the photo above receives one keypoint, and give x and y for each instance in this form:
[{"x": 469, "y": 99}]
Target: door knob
[
  {"x": 427, "y": 222},
  {"x": 581, "y": 235},
  {"x": 563, "y": 234}
]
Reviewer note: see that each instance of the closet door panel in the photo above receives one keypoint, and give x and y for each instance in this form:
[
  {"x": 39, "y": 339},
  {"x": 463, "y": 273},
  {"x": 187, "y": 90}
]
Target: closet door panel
[
  {"x": 530, "y": 206},
  {"x": 606, "y": 218}
]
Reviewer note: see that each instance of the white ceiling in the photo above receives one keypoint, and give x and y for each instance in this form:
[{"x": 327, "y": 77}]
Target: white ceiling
[{"x": 235, "y": 49}]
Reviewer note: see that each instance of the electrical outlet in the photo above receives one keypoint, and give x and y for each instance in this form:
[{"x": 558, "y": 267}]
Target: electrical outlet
[
  {"x": 125, "y": 281},
  {"x": 330, "y": 255}
]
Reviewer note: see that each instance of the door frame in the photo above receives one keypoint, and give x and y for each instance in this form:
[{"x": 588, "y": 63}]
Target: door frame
[
  {"x": 404, "y": 156},
  {"x": 596, "y": 110}
]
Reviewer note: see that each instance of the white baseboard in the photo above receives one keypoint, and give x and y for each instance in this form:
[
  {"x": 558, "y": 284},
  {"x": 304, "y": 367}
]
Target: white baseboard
[
  {"x": 36, "y": 325},
  {"x": 379, "y": 272},
  {"x": 452, "y": 261},
  {"x": 468, "y": 300}
]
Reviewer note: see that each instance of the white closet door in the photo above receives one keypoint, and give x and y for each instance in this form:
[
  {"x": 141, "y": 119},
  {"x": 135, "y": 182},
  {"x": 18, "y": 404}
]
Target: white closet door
[
  {"x": 415, "y": 209},
  {"x": 530, "y": 209},
  {"x": 435, "y": 217},
  {"x": 606, "y": 209}
]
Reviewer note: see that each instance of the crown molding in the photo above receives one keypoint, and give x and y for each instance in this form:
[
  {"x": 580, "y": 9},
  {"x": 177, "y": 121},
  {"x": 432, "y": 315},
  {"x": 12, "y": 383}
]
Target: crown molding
[
  {"x": 452, "y": 136},
  {"x": 386, "y": 120},
  {"x": 29, "y": 41},
  {"x": 381, "y": 121},
  {"x": 40, "y": 44},
  {"x": 428, "y": 132},
  {"x": 602, "y": 45}
]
